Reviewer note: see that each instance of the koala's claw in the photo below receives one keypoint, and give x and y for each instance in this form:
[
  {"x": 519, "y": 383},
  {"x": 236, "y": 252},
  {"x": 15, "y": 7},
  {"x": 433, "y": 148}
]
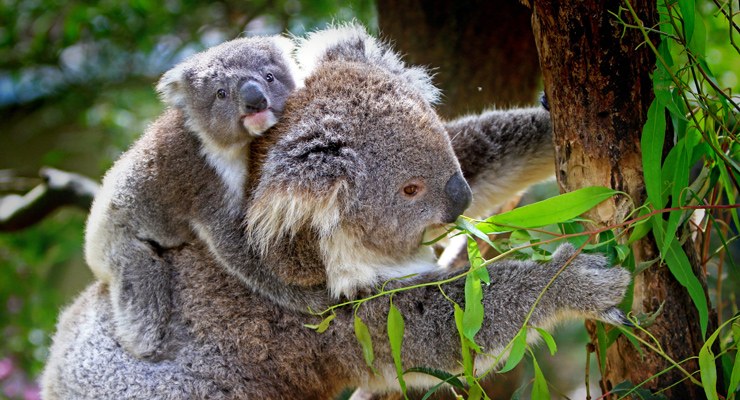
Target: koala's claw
[{"x": 615, "y": 316}]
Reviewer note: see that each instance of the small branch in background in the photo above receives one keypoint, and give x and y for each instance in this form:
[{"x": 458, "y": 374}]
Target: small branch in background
[{"x": 59, "y": 188}]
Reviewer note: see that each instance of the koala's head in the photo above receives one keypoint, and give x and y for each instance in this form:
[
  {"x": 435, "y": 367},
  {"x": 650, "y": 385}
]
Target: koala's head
[
  {"x": 362, "y": 160},
  {"x": 233, "y": 91}
]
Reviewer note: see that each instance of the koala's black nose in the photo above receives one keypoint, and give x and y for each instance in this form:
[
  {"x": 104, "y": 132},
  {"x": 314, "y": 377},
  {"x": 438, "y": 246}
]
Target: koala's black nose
[
  {"x": 460, "y": 197},
  {"x": 253, "y": 96}
]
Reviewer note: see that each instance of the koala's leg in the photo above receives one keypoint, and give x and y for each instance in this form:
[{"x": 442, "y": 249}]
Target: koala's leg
[
  {"x": 501, "y": 153},
  {"x": 587, "y": 287},
  {"x": 141, "y": 299}
]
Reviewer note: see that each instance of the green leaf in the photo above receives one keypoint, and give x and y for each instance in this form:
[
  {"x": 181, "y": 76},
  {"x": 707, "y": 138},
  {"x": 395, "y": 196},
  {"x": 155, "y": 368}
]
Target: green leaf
[
  {"x": 680, "y": 181},
  {"x": 363, "y": 336},
  {"x": 395, "y": 336},
  {"x": 476, "y": 260},
  {"x": 698, "y": 41},
  {"x": 688, "y": 13},
  {"x": 465, "y": 225},
  {"x": 662, "y": 80},
  {"x": 555, "y": 209},
  {"x": 735, "y": 377},
  {"x": 603, "y": 342},
  {"x": 641, "y": 228},
  {"x": 623, "y": 251},
  {"x": 570, "y": 228},
  {"x": 475, "y": 392},
  {"x": 473, "y": 318},
  {"x": 517, "y": 351},
  {"x": 450, "y": 380},
  {"x": 631, "y": 337},
  {"x": 539, "y": 390},
  {"x": 680, "y": 267},
  {"x": 708, "y": 369},
  {"x": 646, "y": 320},
  {"x": 465, "y": 347},
  {"x": 653, "y": 134},
  {"x": 444, "y": 376},
  {"x": 627, "y": 387},
  {"x": 548, "y": 339},
  {"x": 320, "y": 328},
  {"x": 517, "y": 395}
]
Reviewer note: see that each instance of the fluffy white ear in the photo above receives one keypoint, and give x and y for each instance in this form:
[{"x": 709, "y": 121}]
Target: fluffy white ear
[
  {"x": 351, "y": 42},
  {"x": 288, "y": 47},
  {"x": 171, "y": 86}
]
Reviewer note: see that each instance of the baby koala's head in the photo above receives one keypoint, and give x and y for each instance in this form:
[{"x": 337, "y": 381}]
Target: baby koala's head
[{"x": 234, "y": 91}]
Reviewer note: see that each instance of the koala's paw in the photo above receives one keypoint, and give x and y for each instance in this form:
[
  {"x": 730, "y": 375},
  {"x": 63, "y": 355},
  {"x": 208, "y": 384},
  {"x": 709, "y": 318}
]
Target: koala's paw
[{"x": 591, "y": 287}]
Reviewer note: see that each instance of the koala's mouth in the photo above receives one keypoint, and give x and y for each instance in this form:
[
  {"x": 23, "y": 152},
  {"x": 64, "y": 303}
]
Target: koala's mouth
[{"x": 258, "y": 122}]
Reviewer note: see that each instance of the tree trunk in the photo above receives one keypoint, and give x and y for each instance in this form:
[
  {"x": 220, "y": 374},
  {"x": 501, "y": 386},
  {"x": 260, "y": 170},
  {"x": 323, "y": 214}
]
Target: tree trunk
[
  {"x": 482, "y": 51},
  {"x": 598, "y": 85}
]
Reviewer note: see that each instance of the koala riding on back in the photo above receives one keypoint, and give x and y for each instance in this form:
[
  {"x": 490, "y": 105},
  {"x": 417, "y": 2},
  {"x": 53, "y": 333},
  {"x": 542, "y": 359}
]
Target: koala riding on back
[{"x": 184, "y": 179}]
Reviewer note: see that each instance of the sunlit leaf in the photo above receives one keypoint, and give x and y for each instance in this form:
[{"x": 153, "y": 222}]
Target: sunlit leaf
[
  {"x": 554, "y": 210},
  {"x": 653, "y": 134},
  {"x": 324, "y": 325},
  {"x": 548, "y": 339},
  {"x": 688, "y": 13},
  {"x": 363, "y": 336},
  {"x": 444, "y": 376},
  {"x": 540, "y": 390},
  {"x": 473, "y": 318},
  {"x": 602, "y": 342},
  {"x": 395, "y": 336},
  {"x": 517, "y": 351}
]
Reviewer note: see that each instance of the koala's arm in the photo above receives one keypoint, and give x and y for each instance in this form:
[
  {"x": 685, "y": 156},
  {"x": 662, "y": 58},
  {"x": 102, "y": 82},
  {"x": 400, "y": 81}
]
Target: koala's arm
[
  {"x": 585, "y": 288},
  {"x": 502, "y": 152}
]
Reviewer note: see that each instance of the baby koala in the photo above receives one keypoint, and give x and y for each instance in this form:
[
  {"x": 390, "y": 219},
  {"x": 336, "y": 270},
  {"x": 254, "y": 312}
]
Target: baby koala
[{"x": 184, "y": 179}]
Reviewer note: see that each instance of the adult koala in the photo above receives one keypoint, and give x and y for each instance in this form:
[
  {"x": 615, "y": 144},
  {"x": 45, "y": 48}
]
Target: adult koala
[{"x": 357, "y": 170}]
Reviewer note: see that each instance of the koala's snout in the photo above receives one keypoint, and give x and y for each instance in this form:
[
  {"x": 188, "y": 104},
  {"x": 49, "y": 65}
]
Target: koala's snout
[
  {"x": 253, "y": 96},
  {"x": 460, "y": 197}
]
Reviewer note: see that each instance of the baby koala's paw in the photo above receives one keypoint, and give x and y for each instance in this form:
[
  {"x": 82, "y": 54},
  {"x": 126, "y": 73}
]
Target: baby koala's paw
[{"x": 592, "y": 288}]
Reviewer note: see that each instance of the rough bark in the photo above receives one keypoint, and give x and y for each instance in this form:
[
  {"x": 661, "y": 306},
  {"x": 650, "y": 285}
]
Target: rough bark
[
  {"x": 482, "y": 52},
  {"x": 599, "y": 89}
]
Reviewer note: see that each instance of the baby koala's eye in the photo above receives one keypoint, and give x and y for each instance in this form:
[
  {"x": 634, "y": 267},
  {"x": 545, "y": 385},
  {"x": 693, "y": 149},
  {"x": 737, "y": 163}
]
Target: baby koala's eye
[
  {"x": 269, "y": 78},
  {"x": 411, "y": 190},
  {"x": 221, "y": 94}
]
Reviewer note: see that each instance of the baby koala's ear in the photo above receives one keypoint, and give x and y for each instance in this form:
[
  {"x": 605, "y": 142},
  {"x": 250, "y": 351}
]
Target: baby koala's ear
[{"x": 171, "y": 86}]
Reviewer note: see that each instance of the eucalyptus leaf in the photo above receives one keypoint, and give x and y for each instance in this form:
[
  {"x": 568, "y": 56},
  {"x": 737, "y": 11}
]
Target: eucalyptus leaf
[
  {"x": 444, "y": 376},
  {"x": 540, "y": 390},
  {"x": 395, "y": 336},
  {"x": 473, "y": 318},
  {"x": 555, "y": 209},
  {"x": 518, "y": 348},
  {"x": 680, "y": 267},
  {"x": 688, "y": 13},
  {"x": 653, "y": 134},
  {"x": 548, "y": 339},
  {"x": 363, "y": 336}
]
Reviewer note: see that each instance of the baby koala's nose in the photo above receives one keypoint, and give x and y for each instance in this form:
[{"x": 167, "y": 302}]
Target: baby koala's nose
[{"x": 253, "y": 96}]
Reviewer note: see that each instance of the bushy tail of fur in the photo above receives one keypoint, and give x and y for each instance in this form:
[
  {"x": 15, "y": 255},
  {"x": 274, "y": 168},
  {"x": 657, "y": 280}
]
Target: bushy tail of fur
[{"x": 352, "y": 42}]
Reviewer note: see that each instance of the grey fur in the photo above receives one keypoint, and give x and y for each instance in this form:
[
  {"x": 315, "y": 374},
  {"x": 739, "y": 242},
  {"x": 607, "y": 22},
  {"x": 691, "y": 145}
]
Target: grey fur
[
  {"x": 184, "y": 179},
  {"x": 335, "y": 170}
]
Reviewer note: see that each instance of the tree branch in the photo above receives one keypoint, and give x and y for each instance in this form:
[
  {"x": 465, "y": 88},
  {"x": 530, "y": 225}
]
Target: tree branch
[{"x": 59, "y": 189}]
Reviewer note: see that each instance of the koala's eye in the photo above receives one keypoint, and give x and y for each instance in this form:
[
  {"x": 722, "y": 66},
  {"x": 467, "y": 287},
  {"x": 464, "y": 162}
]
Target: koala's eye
[
  {"x": 411, "y": 190},
  {"x": 269, "y": 78},
  {"x": 221, "y": 94}
]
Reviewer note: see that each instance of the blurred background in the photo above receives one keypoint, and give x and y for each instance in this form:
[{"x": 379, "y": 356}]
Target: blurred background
[{"x": 77, "y": 88}]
